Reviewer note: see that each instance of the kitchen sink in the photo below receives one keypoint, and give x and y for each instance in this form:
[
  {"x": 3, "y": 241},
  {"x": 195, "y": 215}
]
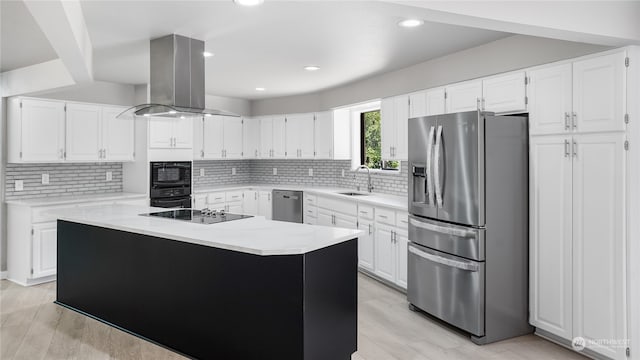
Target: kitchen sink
[{"x": 351, "y": 193}]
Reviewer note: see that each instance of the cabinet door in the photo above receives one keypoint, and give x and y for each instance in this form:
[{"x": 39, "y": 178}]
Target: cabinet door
[
  {"x": 385, "y": 263},
  {"x": 199, "y": 202},
  {"x": 84, "y": 133},
  {"x": 118, "y": 135},
  {"x": 365, "y": 245},
  {"x": 464, "y": 96},
  {"x": 325, "y": 217},
  {"x": 198, "y": 139},
  {"x": 550, "y": 100},
  {"x": 160, "y": 133},
  {"x": 42, "y": 130},
  {"x": 435, "y": 101},
  {"x": 550, "y": 246},
  {"x": 264, "y": 204},
  {"x": 279, "y": 138},
  {"x": 505, "y": 93},
  {"x": 45, "y": 240},
  {"x": 599, "y": 93},
  {"x": 599, "y": 241},
  {"x": 266, "y": 137},
  {"x": 251, "y": 138},
  {"x": 183, "y": 132},
  {"x": 306, "y": 137},
  {"x": 235, "y": 208},
  {"x": 401, "y": 150},
  {"x": 345, "y": 221},
  {"x": 387, "y": 127},
  {"x": 299, "y": 136},
  {"x": 418, "y": 104},
  {"x": 323, "y": 133},
  {"x": 232, "y": 137},
  {"x": 250, "y": 202},
  {"x": 402, "y": 254},
  {"x": 213, "y": 137}
]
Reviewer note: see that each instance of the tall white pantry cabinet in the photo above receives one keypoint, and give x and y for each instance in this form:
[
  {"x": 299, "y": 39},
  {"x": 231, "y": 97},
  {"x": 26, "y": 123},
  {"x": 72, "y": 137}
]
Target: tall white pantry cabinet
[{"x": 579, "y": 179}]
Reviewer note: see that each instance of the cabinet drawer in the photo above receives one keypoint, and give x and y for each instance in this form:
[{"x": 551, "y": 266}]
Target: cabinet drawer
[
  {"x": 386, "y": 216},
  {"x": 310, "y": 199},
  {"x": 234, "y": 196},
  {"x": 310, "y": 211},
  {"x": 365, "y": 212},
  {"x": 47, "y": 214},
  {"x": 402, "y": 220},
  {"x": 216, "y": 198},
  {"x": 336, "y": 205}
]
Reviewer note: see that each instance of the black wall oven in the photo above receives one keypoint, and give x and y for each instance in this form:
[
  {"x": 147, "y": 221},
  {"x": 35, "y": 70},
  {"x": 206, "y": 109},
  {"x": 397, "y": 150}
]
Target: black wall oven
[{"x": 171, "y": 184}]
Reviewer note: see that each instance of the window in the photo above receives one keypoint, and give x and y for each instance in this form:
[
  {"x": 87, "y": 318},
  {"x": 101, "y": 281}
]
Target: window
[{"x": 370, "y": 142}]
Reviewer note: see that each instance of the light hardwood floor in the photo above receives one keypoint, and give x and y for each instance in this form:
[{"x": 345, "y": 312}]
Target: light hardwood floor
[{"x": 32, "y": 327}]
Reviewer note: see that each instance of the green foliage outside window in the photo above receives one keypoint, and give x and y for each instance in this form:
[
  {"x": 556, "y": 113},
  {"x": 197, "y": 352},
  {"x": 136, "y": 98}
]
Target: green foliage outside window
[{"x": 372, "y": 142}]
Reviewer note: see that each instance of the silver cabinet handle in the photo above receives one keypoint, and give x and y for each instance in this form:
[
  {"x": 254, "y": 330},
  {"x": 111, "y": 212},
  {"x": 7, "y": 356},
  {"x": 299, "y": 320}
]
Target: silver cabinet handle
[
  {"x": 483, "y": 105},
  {"x": 443, "y": 229},
  {"x": 256, "y": 153},
  {"x": 61, "y": 154},
  {"x": 575, "y": 149},
  {"x": 369, "y": 229},
  {"x": 429, "y": 179},
  {"x": 566, "y": 148},
  {"x": 436, "y": 165},
  {"x": 383, "y": 216},
  {"x": 478, "y": 104},
  {"x": 462, "y": 265},
  {"x": 566, "y": 121},
  {"x": 574, "y": 121}
]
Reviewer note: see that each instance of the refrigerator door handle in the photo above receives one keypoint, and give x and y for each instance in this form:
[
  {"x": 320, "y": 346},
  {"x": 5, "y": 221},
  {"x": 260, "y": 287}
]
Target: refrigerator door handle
[
  {"x": 442, "y": 229},
  {"x": 429, "y": 187},
  {"x": 436, "y": 166},
  {"x": 462, "y": 265}
]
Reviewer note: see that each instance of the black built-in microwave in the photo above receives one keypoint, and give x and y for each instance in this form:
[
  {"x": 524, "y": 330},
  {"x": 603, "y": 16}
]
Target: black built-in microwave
[{"x": 170, "y": 179}]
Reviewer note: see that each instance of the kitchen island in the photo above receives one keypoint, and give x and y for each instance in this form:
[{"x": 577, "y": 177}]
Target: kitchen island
[{"x": 244, "y": 289}]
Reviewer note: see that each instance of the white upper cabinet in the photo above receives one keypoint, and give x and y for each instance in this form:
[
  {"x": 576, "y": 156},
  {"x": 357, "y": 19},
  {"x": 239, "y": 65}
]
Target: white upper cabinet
[
  {"x": 418, "y": 104},
  {"x": 300, "y": 137},
  {"x": 464, "y": 96},
  {"x": 183, "y": 132},
  {"x": 251, "y": 138},
  {"x": 435, "y": 101},
  {"x": 394, "y": 114},
  {"x": 118, "y": 135},
  {"x": 279, "y": 137},
  {"x": 171, "y": 133},
  {"x": 273, "y": 137},
  {"x": 212, "y": 138},
  {"x": 550, "y": 100},
  {"x": 550, "y": 234},
  {"x": 232, "y": 137},
  {"x": 323, "y": 133},
  {"x": 266, "y": 137},
  {"x": 83, "y": 132},
  {"x": 504, "y": 93},
  {"x": 36, "y": 130},
  {"x": 599, "y": 260},
  {"x": 599, "y": 99}
]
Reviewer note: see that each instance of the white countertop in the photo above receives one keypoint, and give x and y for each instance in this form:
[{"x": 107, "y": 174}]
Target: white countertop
[
  {"x": 376, "y": 199},
  {"x": 254, "y": 235},
  {"x": 71, "y": 199}
]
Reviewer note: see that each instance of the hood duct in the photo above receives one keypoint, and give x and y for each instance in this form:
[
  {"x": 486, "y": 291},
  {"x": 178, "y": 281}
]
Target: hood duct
[{"x": 176, "y": 80}]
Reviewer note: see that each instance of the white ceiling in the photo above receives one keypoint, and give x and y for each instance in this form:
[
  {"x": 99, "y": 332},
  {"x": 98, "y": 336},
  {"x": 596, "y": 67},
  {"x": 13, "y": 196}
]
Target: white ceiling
[
  {"x": 22, "y": 43},
  {"x": 265, "y": 46}
]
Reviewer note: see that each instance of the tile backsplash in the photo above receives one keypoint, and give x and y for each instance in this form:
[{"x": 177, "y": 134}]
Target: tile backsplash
[
  {"x": 64, "y": 179},
  {"x": 296, "y": 172}
]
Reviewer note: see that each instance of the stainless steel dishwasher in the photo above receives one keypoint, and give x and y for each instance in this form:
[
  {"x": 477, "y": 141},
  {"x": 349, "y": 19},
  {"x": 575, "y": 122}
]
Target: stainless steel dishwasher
[{"x": 287, "y": 206}]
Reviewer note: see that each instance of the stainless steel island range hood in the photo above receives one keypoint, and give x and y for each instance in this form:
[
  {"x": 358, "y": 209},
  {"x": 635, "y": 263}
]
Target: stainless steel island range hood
[{"x": 176, "y": 80}]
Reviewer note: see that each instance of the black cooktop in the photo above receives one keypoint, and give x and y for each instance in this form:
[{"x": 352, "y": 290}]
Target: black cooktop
[{"x": 197, "y": 216}]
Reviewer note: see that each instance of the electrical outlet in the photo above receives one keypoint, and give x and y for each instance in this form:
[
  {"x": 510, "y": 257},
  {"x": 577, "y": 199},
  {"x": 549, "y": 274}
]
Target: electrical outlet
[
  {"x": 202, "y": 172},
  {"x": 19, "y": 185},
  {"x": 342, "y": 172},
  {"x": 275, "y": 171},
  {"x": 45, "y": 179},
  {"x": 233, "y": 171},
  {"x": 109, "y": 175},
  {"x": 311, "y": 172}
]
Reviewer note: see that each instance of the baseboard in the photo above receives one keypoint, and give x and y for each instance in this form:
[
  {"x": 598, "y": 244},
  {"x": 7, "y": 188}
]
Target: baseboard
[
  {"x": 381, "y": 280},
  {"x": 567, "y": 344}
]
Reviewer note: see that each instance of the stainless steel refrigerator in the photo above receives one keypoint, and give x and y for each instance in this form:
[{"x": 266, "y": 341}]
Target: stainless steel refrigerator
[{"x": 468, "y": 225}]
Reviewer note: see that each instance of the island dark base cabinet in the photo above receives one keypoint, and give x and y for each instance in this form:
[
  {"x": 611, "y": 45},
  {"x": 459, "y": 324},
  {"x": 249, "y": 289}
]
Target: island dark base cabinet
[{"x": 210, "y": 303}]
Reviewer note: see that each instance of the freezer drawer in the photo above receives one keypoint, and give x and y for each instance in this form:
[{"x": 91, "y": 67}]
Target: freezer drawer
[
  {"x": 448, "y": 287},
  {"x": 457, "y": 240}
]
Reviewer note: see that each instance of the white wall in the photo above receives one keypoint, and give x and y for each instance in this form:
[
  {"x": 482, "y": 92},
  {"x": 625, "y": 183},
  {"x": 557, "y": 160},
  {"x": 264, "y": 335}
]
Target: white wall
[{"x": 511, "y": 53}]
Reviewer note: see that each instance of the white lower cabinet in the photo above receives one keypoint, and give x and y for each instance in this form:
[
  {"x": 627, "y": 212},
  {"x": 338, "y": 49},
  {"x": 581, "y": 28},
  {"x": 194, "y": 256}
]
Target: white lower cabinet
[
  {"x": 45, "y": 240},
  {"x": 264, "y": 203},
  {"x": 365, "y": 245},
  {"x": 250, "y": 202},
  {"x": 402, "y": 247},
  {"x": 199, "y": 201},
  {"x": 384, "y": 253},
  {"x": 578, "y": 243}
]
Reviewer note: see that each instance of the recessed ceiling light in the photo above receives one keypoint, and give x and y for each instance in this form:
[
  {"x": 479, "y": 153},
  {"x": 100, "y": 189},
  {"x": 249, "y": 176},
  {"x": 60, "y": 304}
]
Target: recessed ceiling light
[
  {"x": 260, "y": 89},
  {"x": 409, "y": 23},
  {"x": 312, "y": 68},
  {"x": 207, "y": 54},
  {"x": 182, "y": 117},
  {"x": 248, "y": 2}
]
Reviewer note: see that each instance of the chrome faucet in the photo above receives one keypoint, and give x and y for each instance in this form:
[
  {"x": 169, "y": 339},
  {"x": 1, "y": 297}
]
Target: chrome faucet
[{"x": 369, "y": 185}]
